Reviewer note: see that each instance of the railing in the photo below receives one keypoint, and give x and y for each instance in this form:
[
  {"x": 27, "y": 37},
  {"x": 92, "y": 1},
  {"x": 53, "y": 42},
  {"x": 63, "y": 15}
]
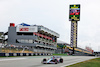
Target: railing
[
  {"x": 43, "y": 50},
  {"x": 46, "y": 41}
]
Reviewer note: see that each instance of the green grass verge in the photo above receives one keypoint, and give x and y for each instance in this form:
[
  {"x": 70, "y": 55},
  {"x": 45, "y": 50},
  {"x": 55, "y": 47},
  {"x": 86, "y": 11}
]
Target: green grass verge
[
  {"x": 89, "y": 63},
  {"x": 59, "y": 54}
]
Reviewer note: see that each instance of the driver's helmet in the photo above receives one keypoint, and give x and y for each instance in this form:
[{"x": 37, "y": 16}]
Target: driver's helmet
[{"x": 53, "y": 57}]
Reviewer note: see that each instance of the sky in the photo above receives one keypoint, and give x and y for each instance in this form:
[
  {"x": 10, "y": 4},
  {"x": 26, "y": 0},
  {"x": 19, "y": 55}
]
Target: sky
[{"x": 54, "y": 14}]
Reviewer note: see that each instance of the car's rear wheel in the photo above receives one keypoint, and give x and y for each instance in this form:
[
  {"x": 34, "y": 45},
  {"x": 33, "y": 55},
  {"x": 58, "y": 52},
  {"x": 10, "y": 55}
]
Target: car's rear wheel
[{"x": 43, "y": 60}]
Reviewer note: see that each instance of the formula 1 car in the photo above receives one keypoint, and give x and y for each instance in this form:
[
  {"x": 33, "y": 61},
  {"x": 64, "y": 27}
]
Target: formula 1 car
[{"x": 52, "y": 60}]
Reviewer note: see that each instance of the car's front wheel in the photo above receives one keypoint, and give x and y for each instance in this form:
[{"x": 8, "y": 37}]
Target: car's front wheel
[{"x": 56, "y": 61}]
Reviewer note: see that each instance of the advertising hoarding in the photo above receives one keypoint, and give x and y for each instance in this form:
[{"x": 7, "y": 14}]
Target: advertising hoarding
[
  {"x": 74, "y": 12},
  {"x": 26, "y": 29}
]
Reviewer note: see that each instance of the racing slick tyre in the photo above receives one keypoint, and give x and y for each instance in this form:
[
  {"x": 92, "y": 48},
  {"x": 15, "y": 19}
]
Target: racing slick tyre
[
  {"x": 56, "y": 61},
  {"x": 61, "y": 60},
  {"x": 43, "y": 60}
]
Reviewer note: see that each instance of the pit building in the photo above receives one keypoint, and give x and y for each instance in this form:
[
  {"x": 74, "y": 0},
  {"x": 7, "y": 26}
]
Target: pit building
[{"x": 37, "y": 38}]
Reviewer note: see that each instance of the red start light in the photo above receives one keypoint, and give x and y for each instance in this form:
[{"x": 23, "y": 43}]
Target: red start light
[{"x": 12, "y": 25}]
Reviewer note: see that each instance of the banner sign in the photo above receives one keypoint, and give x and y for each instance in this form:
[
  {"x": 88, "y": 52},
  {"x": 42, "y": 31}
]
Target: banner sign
[
  {"x": 74, "y": 13},
  {"x": 73, "y": 34},
  {"x": 26, "y": 29}
]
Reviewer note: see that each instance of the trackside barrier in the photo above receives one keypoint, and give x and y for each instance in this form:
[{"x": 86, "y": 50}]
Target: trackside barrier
[
  {"x": 29, "y": 54},
  {"x": 33, "y": 54},
  {"x": 21, "y": 54},
  {"x": 36, "y": 54},
  {"x": 42, "y": 54},
  {"x": 25, "y": 54},
  {"x": 10, "y": 54},
  {"x": 7, "y": 54},
  {"x": 18, "y": 54},
  {"x": 14, "y": 54},
  {"x": 2, "y": 54},
  {"x": 49, "y": 54}
]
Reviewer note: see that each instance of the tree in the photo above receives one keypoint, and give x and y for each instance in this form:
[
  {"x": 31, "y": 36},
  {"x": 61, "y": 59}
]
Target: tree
[{"x": 2, "y": 38}]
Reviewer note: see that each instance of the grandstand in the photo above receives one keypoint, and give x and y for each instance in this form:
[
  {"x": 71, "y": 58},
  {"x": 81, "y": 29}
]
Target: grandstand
[
  {"x": 64, "y": 47},
  {"x": 30, "y": 38}
]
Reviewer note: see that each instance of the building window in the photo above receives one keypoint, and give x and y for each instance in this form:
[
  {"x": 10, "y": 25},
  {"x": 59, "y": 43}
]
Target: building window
[
  {"x": 19, "y": 40},
  {"x": 26, "y": 41},
  {"x": 30, "y": 41},
  {"x": 23, "y": 33},
  {"x": 22, "y": 41}
]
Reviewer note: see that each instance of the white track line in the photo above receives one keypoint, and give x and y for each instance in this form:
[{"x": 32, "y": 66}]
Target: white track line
[
  {"x": 76, "y": 61},
  {"x": 8, "y": 59}
]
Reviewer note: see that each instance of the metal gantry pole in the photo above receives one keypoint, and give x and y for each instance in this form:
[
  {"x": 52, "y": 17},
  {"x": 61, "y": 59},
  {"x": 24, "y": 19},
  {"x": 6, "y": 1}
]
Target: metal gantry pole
[
  {"x": 74, "y": 17},
  {"x": 73, "y": 34}
]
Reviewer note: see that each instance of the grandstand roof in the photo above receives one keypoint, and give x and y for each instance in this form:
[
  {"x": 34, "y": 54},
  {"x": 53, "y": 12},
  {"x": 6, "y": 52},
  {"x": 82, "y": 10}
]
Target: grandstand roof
[{"x": 62, "y": 42}]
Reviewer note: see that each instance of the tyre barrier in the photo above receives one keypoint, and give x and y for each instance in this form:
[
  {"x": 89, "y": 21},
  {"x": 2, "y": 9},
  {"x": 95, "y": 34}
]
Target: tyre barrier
[
  {"x": 8, "y": 54},
  {"x": 21, "y": 54},
  {"x": 29, "y": 54},
  {"x": 15, "y": 54},
  {"x": 41, "y": 54},
  {"x": 25, "y": 54},
  {"x": 18, "y": 54},
  {"x": 36, "y": 54}
]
